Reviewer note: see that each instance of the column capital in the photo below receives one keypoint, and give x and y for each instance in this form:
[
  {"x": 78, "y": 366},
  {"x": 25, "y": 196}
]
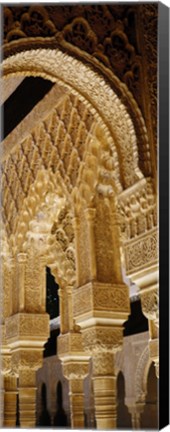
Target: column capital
[
  {"x": 75, "y": 369},
  {"x": 150, "y": 304},
  {"x": 100, "y": 339}
]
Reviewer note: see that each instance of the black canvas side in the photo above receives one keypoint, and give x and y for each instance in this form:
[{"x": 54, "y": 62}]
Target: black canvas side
[{"x": 163, "y": 122}]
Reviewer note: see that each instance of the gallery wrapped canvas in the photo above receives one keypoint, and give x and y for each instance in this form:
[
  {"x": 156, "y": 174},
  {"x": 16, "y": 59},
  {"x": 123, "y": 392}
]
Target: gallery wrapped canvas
[{"x": 84, "y": 215}]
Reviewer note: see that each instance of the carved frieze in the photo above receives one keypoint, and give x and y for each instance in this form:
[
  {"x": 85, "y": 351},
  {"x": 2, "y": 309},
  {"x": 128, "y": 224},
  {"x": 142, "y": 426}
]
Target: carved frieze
[
  {"x": 96, "y": 296},
  {"x": 102, "y": 338},
  {"x": 69, "y": 344},
  {"x": 27, "y": 326},
  {"x": 73, "y": 369},
  {"x": 141, "y": 252},
  {"x": 137, "y": 210},
  {"x": 22, "y": 359}
]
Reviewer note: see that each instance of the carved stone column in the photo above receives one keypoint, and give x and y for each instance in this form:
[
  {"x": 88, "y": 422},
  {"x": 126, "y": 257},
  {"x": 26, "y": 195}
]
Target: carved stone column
[
  {"x": 1, "y": 400},
  {"x": 75, "y": 372},
  {"x": 75, "y": 363},
  {"x": 21, "y": 261},
  {"x": 7, "y": 395},
  {"x": 69, "y": 291},
  {"x": 5, "y": 369},
  {"x": 63, "y": 307},
  {"x": 76, "y": 222},
  {"x": 10, "y": 400},
  {"x": 103, "y": 341},
  {"x": 104, "y": 384},
  {"x": 141, "y": 257},
  {"x": 90, "y": 214},
  {"x": 150, "y": 308},
  {"x": 136, "y": 411},
  {"x": 27, "y": 392},
  {"x": 26, "y": 334},
  {"x": 100, "y": 299}
]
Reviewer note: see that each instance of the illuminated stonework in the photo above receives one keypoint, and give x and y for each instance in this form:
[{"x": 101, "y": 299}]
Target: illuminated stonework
[{"x": 76, "y": 198}]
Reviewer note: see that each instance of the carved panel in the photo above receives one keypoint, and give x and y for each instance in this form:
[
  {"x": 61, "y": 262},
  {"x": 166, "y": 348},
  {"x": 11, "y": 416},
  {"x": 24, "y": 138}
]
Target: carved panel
[
  {"x": 96, "y": 296},
  {"x": 69, "y": 343},
  {"x": 114, "y": 298},
  {"x": 22, "y": 359},
  {"x": 83, "y": 252},
  {"x": 141, "y": 252},
  {"x": 75, "y": 369},
  {"x": 103, "y": 364},
  {"x": 31, "y": 326},
  {"x": 104, "y": 244},
  {"x": 82, "y": 300},
  {"x": 102, "y": 338},
  {"x": 33, "y": 282}
]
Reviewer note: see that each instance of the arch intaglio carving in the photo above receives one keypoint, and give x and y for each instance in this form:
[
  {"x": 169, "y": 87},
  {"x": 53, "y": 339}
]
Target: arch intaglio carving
[
  {"x": 73, "y": 193},
  {"x": 142, "y": 368}
]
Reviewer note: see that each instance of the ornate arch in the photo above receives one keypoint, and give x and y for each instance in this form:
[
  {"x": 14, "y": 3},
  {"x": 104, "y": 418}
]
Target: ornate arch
[
  {"x": 60, "y": 67},
  {"x": 141, "y": 375}
]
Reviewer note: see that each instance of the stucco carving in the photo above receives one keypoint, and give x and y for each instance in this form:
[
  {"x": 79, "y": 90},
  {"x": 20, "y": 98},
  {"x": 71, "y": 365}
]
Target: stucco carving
[
  {"x": 107, "y": 37},
  {"x": 100, "y": 297},
  {"x": 150, "y": 305},
  {"x": 141, "y": 375},
  {"x": 103, "y": 364},
  {"x": 137, "y": 210},
  {"x": 95, "y": 89},
  {"x": 142, "y": 251},
  {"x": 22, "y": 359},
  {"x": 75, "y": 369},
  {"x": 27, "y": 326},
  {"x": 102, "y": 338},
  {"x": 70, "y": 344}
]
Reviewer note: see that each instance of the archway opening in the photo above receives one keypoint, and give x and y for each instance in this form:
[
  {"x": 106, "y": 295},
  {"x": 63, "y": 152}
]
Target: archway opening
[
  {"x": 123, "y": 416},
  {"x": 52, "y": 308},
  {"x": 44, "y": 418},
  {"x": 19, "y": 103},
  {"x": 60, "y": 418},
  {"x": 149, "y": 418}
]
